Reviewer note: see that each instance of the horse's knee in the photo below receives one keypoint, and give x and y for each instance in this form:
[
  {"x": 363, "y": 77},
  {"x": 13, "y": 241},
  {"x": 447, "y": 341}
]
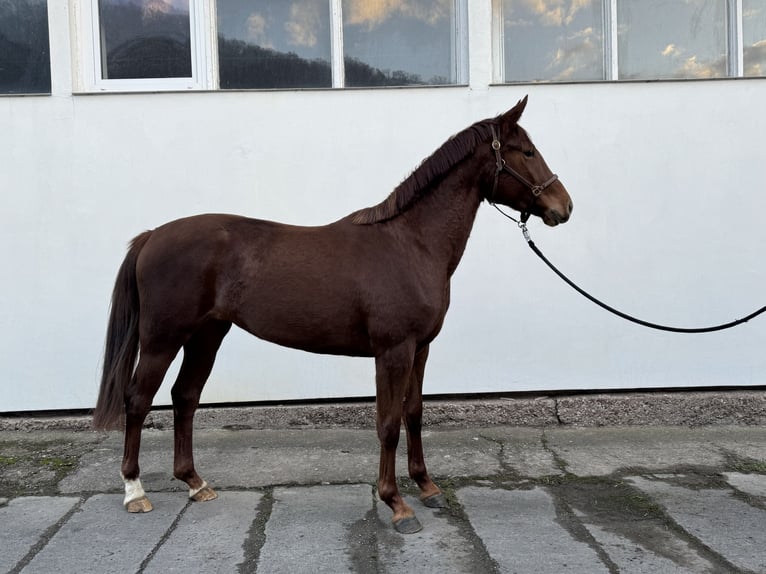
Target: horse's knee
[{"x": 388, "y": 434}]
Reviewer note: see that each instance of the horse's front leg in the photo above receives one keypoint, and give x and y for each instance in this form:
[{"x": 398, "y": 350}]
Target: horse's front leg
[
  {"x": 392, "y": 374},
  {"x": 199, "y": 357},
  {"x": 430, "y": 494}
]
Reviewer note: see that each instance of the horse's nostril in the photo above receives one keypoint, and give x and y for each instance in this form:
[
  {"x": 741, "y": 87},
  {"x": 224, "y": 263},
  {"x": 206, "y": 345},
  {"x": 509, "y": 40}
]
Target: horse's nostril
[{"x": 571, "y": 207}]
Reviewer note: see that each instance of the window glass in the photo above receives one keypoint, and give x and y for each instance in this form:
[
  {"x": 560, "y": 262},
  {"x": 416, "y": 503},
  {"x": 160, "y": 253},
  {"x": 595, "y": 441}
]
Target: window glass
[
  {"x": 754, "y": 36},
  {"x": 274, "y": 44},
  {"x": 24, "y": 49},
  {"x": 671, "y": 38},
  {"x": 145, "y": 39},
  {"x": 554, "y": 40},
  {"x": 397, "y": 43}
]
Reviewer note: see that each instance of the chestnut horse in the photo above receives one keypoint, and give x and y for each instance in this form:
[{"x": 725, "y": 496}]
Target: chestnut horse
[{"x": 373, "y": 284}]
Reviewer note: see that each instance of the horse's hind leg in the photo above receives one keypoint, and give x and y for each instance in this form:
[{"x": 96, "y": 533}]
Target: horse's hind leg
[
  {"x": 147, "y": 379},
  {"x": 430, "y": 494},
  {"x": 199, "y": 356}
]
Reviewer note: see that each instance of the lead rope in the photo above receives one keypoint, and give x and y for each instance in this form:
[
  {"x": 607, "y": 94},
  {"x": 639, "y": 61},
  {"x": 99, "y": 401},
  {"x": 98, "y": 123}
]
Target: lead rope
[{"x": 525, "y": 232}]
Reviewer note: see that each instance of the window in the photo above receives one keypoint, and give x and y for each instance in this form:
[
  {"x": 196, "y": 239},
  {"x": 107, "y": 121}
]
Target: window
[
  {"x": 274, "y": 44},
  {"x": 135, "y": 45},
  {"x": 556, "y": 41},
  {"x": 24, "y": 50},
  {"x": 145, "y": 39},
  {"x": 399, "y": 43},
  {"x": 671, "y": 39},
  {"x": 583, "y": 40},
  {"x": 168, "y": 44}
]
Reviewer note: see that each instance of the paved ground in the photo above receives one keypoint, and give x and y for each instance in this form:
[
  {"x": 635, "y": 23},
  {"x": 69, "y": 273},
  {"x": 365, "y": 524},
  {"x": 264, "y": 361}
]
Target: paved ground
[{"x": 526, "y": 500}]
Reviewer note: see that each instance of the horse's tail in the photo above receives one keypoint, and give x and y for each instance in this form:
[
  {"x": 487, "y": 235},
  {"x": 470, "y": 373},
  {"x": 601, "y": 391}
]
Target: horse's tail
[{"x": 121, "y": 348}]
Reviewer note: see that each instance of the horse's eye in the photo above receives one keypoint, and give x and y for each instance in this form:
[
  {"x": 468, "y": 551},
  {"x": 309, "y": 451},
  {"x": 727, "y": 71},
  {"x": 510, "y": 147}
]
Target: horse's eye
[{"x": 529, "y": 152}]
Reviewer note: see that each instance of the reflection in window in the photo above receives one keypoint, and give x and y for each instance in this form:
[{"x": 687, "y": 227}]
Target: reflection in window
[
  {"x": 560, "y": 40},
  {"x": 754, "y": 36},
  {"x": 661, "y": 39},
  {"x": 145, "y": 39},
  {"x": 274, "y": 44},
  {"x": 24, "y": 50},
  {"x": 396, "y": 43}
]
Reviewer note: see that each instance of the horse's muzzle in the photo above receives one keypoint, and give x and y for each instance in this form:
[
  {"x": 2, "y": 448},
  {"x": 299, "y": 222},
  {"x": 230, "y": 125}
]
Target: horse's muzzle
[{"x": 554, "y": 217}]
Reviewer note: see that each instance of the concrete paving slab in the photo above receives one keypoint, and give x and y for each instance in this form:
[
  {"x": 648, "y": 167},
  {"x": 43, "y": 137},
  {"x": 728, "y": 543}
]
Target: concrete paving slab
[
  {"x": 633, "y": 558},
  {"x": 208, "y": 537},
  {"x": 728, "y": 526},
  {"x": 310, "y": 529},
  {"x": 24, "y": 521},
  {"x": 439, "y": 548},
  {"x": 253, "y": 459},
  {"x": 523, "y": 452},
  {"x": 450, "y": 453},
  {"x": 521, "y": 532},
  {"x": 237, "y": 459},
  {"x": 594, "y": 452},
  {"x": 103, "y": 537},
  {"x": 747, "y": 443},
  {"x": 752, "y": 484}
]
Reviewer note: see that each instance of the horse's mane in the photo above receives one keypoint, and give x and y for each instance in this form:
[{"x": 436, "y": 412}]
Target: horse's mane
[{"x": 454, "y": 150}]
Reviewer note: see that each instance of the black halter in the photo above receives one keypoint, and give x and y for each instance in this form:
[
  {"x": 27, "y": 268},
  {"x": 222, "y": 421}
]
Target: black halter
[{"x": 501, "y": 166}]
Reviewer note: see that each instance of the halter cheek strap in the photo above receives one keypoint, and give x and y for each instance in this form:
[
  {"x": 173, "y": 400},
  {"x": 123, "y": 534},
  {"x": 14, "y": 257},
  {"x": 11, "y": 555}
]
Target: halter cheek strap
[{"x": 501, "y": 166}]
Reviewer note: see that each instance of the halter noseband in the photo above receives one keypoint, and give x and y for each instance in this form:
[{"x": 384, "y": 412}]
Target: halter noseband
[{"x": 501, "y": 166}]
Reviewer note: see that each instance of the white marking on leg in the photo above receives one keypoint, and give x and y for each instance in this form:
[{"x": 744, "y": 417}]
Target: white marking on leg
[
  {"x": 133, "y": 490},
  {"x": 193, "y": 491}
]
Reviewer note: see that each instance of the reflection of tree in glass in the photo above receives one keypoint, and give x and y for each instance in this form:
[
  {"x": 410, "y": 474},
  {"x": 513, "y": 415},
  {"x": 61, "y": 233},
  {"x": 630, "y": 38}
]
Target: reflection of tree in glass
[
  {"x": 24, "y": 51},
  {"x": 360, "y": 74},
  {"x": 152, "y": 57},
  {"x": 244, "y": 65}
]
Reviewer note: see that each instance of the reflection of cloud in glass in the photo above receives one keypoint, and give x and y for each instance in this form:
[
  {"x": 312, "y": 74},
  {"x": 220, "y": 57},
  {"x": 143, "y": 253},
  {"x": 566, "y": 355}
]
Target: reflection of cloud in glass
[
  {"x": 256, "y": 30},
  {"x": 151, "y": 7},
  {"x": 754, "y": 37},
  {"x": 693, "y": 68},
  {"x": 372, "y": 13},
  {"x": 684, "y": 66},
  {"x": 553, "y": 40},
  {"x": 553, "y": 12},
  {"x": 583, "y": 48},
  {"x": 303, "y": 24},
  {"x": 755, "y": 59}
]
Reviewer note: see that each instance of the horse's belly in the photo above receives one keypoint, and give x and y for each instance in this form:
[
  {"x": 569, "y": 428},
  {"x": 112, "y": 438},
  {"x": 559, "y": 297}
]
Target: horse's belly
[{"x": 333, "y": 333}]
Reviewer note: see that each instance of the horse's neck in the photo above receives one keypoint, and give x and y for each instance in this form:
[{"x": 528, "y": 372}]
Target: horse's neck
[{"x": 443, "y": 218}]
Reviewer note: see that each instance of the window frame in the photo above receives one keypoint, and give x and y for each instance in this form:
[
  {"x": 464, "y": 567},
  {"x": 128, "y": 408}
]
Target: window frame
[
  {"x": 202, "y": 53},
  {"x": 734, "y": 46},
  {"x": 204, "y": 56}
]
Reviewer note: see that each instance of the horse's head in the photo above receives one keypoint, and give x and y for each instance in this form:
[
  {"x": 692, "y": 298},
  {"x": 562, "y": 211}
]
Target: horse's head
[{"x": 522, "y": 180}]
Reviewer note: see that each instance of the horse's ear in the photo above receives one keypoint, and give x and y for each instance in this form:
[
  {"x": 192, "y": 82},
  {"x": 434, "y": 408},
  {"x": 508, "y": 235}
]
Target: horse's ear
[{"x": 512, "y": 116}]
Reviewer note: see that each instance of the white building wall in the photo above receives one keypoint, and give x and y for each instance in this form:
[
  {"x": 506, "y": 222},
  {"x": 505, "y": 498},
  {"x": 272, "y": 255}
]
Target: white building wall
[{"x": 666, "y": 177}]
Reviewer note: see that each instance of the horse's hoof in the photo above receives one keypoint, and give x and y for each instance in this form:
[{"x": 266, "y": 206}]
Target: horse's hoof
[
  {"x": 203, "y": 494},
  {"x": 408, "y": 525},
  {"x": 139, "y": 505},
  {"x": 437, "y": 500}
]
